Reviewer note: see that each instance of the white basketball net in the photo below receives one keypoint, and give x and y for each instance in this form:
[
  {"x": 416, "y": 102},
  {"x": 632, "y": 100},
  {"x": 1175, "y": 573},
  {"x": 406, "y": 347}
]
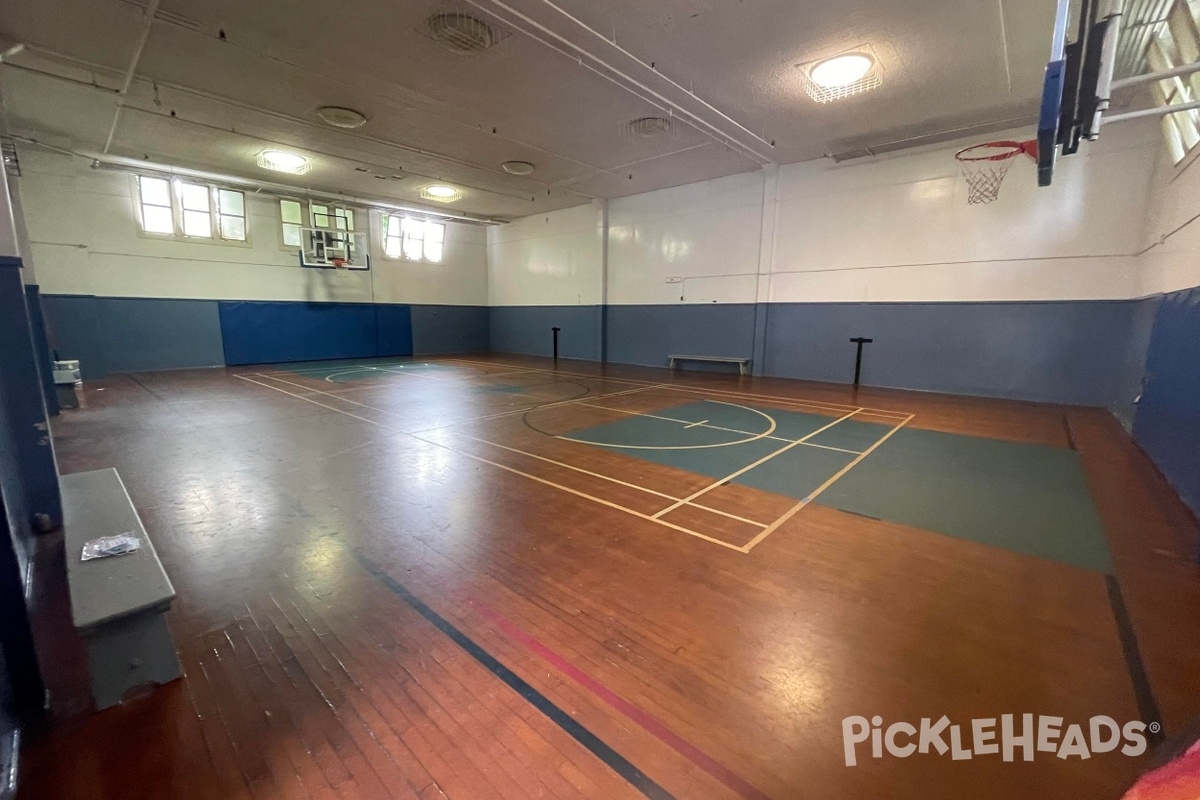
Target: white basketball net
[
  {"x": 984, "y": 179},
  {"x": 985, "y": 165}
]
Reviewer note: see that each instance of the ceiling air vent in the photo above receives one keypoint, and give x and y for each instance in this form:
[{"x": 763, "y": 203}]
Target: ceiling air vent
[
  {"x": 647, "y": 127},
  {"x": 460, "y": 33}
]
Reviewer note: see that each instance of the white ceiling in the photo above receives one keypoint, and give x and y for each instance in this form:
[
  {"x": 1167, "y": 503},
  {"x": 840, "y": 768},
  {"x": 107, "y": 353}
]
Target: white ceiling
[{"x": 221, "y": 80}]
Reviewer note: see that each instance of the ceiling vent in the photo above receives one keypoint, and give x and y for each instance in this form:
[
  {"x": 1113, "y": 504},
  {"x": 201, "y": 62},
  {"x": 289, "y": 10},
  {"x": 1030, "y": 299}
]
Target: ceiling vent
[
  {"x": 460, "y": 33},
  {"x": 340, "y": 117},
  {"x": 648, "y": 127}
]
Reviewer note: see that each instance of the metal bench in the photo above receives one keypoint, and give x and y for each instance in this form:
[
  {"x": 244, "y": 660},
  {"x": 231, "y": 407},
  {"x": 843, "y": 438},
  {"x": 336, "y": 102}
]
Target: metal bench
[
  {"x": 117, "y": 603},
  {"x": 743, "y": 363}
]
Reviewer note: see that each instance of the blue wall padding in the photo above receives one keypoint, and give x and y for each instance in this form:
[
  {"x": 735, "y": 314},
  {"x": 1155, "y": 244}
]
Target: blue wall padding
[
  {"x": 73, "y": 325},
  {"x": 33, "y": 487},
  {"x": 526, "y": 329},
  {"x": 41, "y": 346},
  {"x": 449, "y": 329},
  {"x": 258, "y": 332},
  {"x": 1167, "y": 425},
  {"x": 649, "y": 334},
  {"x": 145, "y": 334},
  {"x": 393, "y": 330},
  {"x": 1065, "y": 352}
]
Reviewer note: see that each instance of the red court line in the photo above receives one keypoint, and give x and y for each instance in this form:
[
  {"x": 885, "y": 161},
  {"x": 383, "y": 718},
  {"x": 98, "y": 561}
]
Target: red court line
[{"x": 650, "y": 723}]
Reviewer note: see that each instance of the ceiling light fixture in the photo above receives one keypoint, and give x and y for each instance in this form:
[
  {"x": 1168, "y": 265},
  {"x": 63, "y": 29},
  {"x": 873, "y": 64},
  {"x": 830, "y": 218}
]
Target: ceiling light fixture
[
  {"x": 282, "y": 161},
  {"x": 441, "y": 193},
  {"x": 340, "y": 117},
  {"x": 517, "y": 167},
  {"x": 843, "y": 70},
  {"x": 843, "y": 75}
]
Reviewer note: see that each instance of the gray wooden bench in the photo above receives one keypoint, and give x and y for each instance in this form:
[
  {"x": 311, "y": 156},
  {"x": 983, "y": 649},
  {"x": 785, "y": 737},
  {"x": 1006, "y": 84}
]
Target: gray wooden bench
[
  {"x": 117, "y": 603},
  {"x": 743, "y": 363}
]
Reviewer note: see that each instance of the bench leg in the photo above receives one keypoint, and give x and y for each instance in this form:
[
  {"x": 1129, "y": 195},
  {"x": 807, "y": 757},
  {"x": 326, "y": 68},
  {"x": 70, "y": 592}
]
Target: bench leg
[{"x": 130, "y": 652}]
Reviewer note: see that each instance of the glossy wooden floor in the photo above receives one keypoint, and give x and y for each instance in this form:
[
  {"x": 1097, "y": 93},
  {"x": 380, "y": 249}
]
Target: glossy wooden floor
[{"x": 339, "y": 549}]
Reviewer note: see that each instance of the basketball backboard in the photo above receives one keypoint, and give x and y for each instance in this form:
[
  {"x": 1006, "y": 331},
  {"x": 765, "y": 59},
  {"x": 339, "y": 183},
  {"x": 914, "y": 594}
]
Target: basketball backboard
[
  {"x": 1075, "y": 92},
  {"x": 326, "y": 248}
]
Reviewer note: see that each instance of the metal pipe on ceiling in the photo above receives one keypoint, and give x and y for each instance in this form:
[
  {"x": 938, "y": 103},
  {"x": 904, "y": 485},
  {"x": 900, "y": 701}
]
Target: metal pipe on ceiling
[
  {"x": 692, "y": 118},
  {"x": 138, "y": 166},
  {"x": 143, "y": 37},
  {"x": 1151, "y": 77}
]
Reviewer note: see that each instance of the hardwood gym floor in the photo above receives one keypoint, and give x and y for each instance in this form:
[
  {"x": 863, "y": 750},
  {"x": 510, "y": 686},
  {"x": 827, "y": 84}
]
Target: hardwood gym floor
[{"x": 391, "y": 586}]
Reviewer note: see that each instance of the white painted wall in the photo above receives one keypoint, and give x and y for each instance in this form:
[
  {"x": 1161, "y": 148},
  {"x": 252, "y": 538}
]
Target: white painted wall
[
  {"x": 85, "y": 240},
  {"x": 896, "y": 228},
  {"x": 1171, "y": 260},
  {"x": 703, "y": 237},
  {"x": 547, "y": 259}
]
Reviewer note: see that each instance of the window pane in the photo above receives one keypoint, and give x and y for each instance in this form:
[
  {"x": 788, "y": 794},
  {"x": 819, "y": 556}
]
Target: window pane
[
  {"x": 193, "y": 197},
  {"x": 232, "y": 202},
  {"x": 156, "y": 219},
  {"x": 349, "y": 215},
  {"x": 197, "y": 223},
  {"x": 391, "y": 246},
  {"x": 291, "y": 235},
  {"x": 411, "y": 227},
  {"x": 155, "y": 191},
  {"x": 433, "y": 251},
  {"x": 233, "y": 228},
  {"x": 412, "y": 248},
  {"x": 435, "y": 232},
  {"x": 289, "y": 210},
  {"x": 320, "y": 215}
]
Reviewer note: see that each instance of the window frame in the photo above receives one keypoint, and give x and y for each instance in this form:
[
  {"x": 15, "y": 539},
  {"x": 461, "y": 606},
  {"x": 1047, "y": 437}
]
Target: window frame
[
  {"x": 1177, "y": 38},
  {"x": 404, "y": 220},
  {"x": 178, "y": 233}
]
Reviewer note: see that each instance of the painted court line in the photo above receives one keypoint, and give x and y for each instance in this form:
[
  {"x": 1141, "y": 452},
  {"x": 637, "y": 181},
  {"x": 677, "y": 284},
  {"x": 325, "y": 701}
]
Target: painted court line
[
  {"x": 643, "y": 719},
  {"x": 567, "y": 489},
  {"x": 613, "y": 480},
  {"x": 760, "y": 462},
  {"x": 750, "y": 437},
  {"x": 714, "y": 427},
  {"x": 796, "y": 508},
  {"x": 867, "y": 410},
  {"x": 571, "y": 726},
  {"x": 584, "y": 495},
  {"x": 537, "y": 407}
]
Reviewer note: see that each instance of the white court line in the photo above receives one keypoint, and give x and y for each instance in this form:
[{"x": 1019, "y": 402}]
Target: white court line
[
  {"x": 867, "y": 410},
  {"x": 751, "y": 466},
  {"x": 796, "y": 508},
  {"x": 567, "y": 489},
  {"x": 532, "y": 408},
  {"x": 315, "y": 403},
  {"x": 612, "y": 479},
  {"x": 750, "y": 437},
  {"x": 584, "y": 495},
  {"x": 714, "y": 427}
]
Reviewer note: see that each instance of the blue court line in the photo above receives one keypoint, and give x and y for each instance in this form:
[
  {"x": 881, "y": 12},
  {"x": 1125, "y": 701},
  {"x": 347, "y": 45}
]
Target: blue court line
[{"x": 615, "y": 761}]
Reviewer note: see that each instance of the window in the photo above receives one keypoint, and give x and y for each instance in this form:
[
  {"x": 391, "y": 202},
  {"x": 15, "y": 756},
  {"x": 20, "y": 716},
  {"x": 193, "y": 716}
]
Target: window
[
  {"x": 1177, "y": 43},
  {"x": 291, "y": 215},
  {"x": 413, "y": 239},
  {"x": 157, "y": 216},
  {"x": 289, "y": 212},
  {"x": 191, "y": 210}
]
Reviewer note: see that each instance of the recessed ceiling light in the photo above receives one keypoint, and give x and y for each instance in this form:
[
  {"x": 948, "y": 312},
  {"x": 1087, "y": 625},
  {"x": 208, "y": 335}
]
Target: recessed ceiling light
[
  {"x": 282, "y": 161},
  {"x": 517, "y": 167},
  {"x": 340, "y": 117},
  {"x": 441, "y": 193},
  {"x": 843, "y": 70}
]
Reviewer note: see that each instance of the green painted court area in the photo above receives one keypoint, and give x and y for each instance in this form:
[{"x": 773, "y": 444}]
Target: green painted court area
[{"x": 1026, "y": 498}]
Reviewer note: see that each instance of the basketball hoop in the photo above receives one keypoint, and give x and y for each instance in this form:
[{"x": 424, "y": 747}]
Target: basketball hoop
[
  {"x": 985, "y": 165},
  {"x": 339, "y": 263}
]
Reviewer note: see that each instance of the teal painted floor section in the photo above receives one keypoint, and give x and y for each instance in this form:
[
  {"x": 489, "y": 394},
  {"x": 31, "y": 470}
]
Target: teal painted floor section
[{"x": 1026, "y": 498}]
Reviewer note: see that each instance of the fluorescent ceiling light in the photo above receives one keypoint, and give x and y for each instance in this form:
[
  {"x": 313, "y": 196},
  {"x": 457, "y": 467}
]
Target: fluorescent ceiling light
[
  {"x": 441, "y": 191},
  {"x": 841, "y": 70},
  {"x": 282, "y": 161}
]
